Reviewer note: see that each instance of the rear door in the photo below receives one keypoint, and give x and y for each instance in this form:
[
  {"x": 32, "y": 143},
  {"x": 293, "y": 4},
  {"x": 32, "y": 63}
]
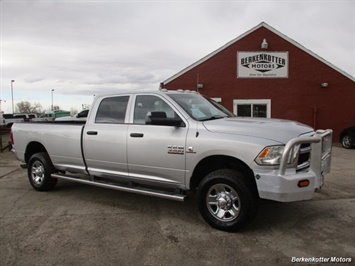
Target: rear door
[
  {"x": 156, "y": 153},
  {"x": 105, "y": 137}
]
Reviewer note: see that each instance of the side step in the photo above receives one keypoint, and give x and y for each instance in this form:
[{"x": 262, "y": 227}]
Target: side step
[{"x": 133, "y": 189}]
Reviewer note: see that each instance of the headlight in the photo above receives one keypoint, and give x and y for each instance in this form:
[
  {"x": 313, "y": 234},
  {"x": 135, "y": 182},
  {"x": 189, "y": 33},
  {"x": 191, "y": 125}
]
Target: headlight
[{"x": 271, "y": 155}]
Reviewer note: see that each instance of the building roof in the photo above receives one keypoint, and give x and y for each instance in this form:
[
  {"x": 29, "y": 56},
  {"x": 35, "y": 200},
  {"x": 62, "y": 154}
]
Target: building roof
[{"x": 265, "y": 25}]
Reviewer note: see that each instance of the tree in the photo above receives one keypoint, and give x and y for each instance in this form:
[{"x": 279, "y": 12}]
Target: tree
[{"x": 25, "y": 107}]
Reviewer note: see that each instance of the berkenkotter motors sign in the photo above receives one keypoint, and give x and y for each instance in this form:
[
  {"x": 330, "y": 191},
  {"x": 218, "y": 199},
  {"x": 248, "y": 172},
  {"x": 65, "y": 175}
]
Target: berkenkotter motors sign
[{"x": 262, "y": 64}]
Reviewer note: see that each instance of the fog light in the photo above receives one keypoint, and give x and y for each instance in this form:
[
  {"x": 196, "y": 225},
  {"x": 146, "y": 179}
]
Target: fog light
[{"x": 303, "y": 183}]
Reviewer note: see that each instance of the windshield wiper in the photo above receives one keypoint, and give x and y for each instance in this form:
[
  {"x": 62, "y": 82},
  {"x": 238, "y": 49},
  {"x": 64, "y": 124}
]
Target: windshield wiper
[{"x": 212, "y": 118}]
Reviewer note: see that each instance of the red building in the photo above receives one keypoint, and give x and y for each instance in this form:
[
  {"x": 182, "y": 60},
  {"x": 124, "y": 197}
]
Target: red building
[{"x": 263, "y": 73}]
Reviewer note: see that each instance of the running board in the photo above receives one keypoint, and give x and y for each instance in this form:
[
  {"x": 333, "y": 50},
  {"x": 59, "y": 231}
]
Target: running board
[{"x": 133, "y": 189}]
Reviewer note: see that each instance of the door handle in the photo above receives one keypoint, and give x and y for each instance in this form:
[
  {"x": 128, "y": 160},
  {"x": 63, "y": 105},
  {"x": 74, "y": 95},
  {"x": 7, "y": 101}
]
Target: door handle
[
  {"x": 137, "y": 135},
  {"x": 91, "y": 132}
]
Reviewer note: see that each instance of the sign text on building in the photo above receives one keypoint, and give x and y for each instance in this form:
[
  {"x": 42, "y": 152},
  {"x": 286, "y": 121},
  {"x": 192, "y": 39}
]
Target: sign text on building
[{"x": 262, "y": 64}]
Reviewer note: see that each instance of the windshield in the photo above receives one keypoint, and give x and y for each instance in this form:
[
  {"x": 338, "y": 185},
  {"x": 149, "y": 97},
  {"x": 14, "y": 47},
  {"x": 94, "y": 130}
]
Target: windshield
[{"x": 200, "y": 108}]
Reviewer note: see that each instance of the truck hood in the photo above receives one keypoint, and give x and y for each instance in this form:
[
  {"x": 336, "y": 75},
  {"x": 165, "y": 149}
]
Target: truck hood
[{"x": 274, "y": 129}]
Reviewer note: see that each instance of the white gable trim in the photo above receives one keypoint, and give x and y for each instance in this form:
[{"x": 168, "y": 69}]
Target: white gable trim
[{"x": 263, "y": 24}]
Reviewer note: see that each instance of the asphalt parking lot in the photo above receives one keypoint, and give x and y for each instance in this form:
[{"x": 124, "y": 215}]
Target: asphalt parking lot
[{"x": 83, "y": 225}]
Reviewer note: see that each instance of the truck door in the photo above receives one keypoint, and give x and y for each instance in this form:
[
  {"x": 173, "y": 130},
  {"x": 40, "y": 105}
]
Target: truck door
[
  {"x": 155, "y": 153},
  {"x": 105, "y": 136}
]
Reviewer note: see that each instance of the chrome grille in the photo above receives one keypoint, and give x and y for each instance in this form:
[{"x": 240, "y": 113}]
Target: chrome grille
[{"x": 304, "y": 157}]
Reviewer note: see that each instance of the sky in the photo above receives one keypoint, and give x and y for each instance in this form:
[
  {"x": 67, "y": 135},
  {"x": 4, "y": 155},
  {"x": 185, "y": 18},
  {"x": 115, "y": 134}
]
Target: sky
[{"x": 82, "y": 48}]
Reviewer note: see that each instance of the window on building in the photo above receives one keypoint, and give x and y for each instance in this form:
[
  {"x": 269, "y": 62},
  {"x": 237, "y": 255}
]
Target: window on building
[{"x": 252, "y": 108}]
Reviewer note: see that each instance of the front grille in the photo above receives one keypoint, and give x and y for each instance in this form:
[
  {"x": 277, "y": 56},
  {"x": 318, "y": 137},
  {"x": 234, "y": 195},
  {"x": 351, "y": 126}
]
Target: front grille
[{"x": 304, "y": 157}]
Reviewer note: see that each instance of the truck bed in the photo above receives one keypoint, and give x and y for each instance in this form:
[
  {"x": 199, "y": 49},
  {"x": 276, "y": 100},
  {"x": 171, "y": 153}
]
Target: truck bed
[{"x": 61, "y": 140}]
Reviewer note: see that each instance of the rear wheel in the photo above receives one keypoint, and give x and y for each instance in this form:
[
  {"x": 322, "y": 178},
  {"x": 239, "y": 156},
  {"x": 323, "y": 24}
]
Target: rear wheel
[
  {"x": 39, "y": 172},
  {"x": 225, "y": 200}
]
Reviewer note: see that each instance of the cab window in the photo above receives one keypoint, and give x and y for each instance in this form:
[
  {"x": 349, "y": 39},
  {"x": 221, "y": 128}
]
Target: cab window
[
  {"x": 149, "y": 103},
  {"x": 112, "y": 110},
  {"x": 83, "y": 113}
]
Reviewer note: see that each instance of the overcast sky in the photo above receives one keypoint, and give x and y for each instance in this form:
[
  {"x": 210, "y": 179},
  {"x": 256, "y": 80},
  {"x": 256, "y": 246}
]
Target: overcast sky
[{"x": 81, "y": 48}]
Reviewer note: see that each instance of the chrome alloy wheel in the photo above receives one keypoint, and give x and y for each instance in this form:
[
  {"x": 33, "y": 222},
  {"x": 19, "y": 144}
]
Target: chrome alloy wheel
[
  {"x": 37, "y": 173},
  {"x": 223, "y": 202},
  {"x": 346, "y": 141}
]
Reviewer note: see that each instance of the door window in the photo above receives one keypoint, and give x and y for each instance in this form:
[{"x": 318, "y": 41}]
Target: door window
[
  {"x": 83, "y": 113},
  {"x": 112, "y": 110},
  {"x": 149, "y": 103}
]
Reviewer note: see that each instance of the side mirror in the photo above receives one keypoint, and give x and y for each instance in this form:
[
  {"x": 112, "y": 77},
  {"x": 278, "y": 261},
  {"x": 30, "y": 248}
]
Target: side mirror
[{"x": 160, "y": 119}]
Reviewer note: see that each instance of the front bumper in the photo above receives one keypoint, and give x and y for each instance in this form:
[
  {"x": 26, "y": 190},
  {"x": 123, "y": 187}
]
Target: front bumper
[{"x": 283, "y": 184}]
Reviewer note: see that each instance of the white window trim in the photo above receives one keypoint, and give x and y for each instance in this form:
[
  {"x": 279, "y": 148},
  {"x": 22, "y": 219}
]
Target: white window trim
[
  {"x": 217, "y": 100},
  {"x": 253, "y": 101}
]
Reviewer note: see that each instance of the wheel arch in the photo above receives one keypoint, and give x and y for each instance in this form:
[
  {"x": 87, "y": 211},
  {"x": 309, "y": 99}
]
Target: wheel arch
[
  {"x": 216, "y": 162},
  {"x": 32, "y": 148}
]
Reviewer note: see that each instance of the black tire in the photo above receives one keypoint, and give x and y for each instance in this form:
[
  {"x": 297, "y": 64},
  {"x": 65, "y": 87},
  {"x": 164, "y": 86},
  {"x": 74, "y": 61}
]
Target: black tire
[
  {"x": 226, "y": 200},
  {"x": 39, "y": 172},
  {"x": 347, "y": 141}
]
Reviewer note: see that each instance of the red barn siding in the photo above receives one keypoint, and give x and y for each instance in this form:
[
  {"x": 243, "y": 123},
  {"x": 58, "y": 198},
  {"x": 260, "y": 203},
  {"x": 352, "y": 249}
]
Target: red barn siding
[{"x": 298, "y": 97}]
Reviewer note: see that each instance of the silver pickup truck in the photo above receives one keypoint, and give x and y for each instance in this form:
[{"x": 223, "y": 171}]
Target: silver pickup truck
[{"x": 170, "y": 143}]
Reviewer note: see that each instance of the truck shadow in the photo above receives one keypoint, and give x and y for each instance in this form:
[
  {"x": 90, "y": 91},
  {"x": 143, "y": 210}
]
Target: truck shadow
[{"x": 270, "y": 214}]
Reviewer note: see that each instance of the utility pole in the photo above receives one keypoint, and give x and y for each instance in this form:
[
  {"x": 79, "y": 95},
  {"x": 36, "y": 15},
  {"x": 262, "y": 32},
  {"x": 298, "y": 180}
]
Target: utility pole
[
  {"x": 52, "y": 99},
  {"x": 12, "y": 95}
]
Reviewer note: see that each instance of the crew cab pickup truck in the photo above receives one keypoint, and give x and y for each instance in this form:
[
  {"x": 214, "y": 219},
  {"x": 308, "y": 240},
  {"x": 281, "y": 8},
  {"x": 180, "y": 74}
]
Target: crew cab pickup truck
[
  {"x": 81, "y": 116},
  {"x": 172, "y": 143},
  {"x": 10, "y": 119}
]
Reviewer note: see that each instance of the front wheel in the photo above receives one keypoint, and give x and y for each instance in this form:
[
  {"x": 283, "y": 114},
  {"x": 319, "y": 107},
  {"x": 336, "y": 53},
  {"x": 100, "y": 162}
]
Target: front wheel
[
  {"x": 225, "y": 200},
  {"x": 39, "y": 172}
]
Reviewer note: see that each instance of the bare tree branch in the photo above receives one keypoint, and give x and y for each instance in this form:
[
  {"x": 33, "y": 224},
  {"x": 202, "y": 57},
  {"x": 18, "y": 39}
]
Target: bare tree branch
[{"x": 25, "y": 107}]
